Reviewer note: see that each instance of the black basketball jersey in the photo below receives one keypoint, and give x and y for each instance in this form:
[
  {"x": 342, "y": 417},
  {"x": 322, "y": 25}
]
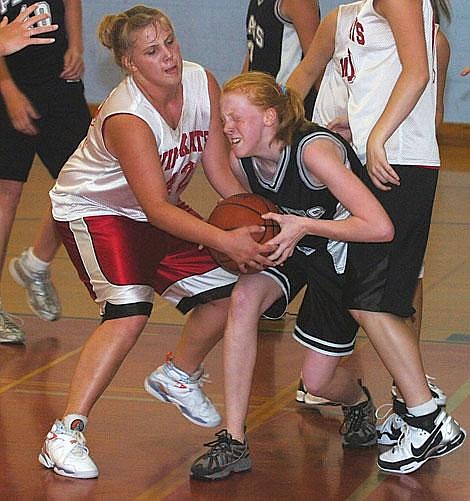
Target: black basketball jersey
[
  {"x": 37, "y": 64},
  {"x": 294, "y": 190},
  {"x": 273, "y": 44}
]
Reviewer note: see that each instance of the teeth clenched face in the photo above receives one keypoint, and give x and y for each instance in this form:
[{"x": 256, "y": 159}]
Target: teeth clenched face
[{"x": 243, "y": 123}]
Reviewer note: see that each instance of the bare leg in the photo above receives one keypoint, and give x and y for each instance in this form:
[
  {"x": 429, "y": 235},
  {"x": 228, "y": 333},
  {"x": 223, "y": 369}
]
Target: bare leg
[
  {"x": 100, "y": 359},
  {"x": 10, "y": 195},
  {"x": 323, "y": 377},
  {"x": 47, "y": 241},
  {"x": 398, "y": 348},
  {"x": 416, "y": 319},
  {"x": 201, "y": 333},
  {"x": 251, "y": 296}
]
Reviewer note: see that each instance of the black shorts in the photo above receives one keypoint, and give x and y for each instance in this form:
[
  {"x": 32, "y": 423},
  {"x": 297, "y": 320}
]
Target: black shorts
[
  {"x": 383, "y": 277},
  {"x": 323, "y": 324},
  {"x": 63, "y": 124}
]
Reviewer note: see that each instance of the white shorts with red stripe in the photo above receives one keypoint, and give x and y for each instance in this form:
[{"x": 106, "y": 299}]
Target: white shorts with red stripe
[{"x": 122, "y": 261}]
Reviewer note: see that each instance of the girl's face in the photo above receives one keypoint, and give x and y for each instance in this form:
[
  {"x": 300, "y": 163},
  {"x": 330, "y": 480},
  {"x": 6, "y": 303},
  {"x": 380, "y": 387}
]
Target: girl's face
[
  {"x": 244, "y": 125},
  {"x": 155, "y": 56}
]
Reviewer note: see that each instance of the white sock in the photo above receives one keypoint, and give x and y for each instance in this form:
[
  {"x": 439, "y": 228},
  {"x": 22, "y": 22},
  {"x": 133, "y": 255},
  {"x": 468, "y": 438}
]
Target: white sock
[
  {"x": 33, "y": 263},
  {"x": 423, "y": 409},
  {"x": 75, "y": 422}
]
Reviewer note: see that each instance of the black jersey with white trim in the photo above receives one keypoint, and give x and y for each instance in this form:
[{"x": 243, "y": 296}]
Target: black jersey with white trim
[{"x": 293, "y": 188}]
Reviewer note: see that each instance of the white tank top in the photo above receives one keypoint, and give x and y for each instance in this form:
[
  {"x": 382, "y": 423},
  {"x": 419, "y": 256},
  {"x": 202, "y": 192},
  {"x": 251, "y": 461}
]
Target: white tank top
[
  {"x": 332, "y": 98},
  {"x": 92, "y": 183},
  {"x": 373, "y": 72}
]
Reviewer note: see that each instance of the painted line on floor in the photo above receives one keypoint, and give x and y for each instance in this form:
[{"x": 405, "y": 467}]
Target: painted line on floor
[
  {"x": 376, "y": 478},
  {"x": 38, "y": 371}
]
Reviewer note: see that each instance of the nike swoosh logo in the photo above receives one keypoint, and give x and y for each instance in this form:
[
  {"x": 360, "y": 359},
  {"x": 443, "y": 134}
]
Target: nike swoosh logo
[
  {"x": 394, "y": 431},
  {"x": 419, "y": 451}
]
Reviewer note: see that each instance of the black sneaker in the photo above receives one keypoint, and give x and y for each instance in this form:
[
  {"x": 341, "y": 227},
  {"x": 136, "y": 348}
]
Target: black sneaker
[
  {"x": 225, "y": 456},
  {"x": 358, "y": 428},
  {"x": 422, "y": 438}
]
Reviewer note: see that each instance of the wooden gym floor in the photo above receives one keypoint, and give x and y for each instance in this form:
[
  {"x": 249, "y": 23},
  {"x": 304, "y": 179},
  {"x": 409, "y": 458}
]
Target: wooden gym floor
[{"x": 144, "y": 448}]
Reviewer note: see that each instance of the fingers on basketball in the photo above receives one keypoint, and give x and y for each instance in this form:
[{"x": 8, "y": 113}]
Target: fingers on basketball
[{"x": 243, "y": 209}]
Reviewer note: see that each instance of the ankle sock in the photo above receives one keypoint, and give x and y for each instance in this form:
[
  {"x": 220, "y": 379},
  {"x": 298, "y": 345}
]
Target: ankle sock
[
  {"x": 75, "y": 422},
  {"x": 423, "y": 409},
  {"x": 33, "y": 263}
]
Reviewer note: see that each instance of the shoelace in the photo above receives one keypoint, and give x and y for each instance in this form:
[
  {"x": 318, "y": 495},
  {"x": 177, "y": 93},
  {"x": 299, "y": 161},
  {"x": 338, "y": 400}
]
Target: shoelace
[
  {"x": 80, "y": 448},
  {"x": 405, "y": 430},
  {"x": 41, "y": 282},
  {"x": 222, "y": 442},
  {"x": 383, "y": 417},
  {"x": 352, "y": 419}
]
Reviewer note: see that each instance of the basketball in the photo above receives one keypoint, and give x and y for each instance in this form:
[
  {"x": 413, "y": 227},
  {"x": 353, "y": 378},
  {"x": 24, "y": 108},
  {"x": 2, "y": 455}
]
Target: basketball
[{"x": 243, "y": 209}]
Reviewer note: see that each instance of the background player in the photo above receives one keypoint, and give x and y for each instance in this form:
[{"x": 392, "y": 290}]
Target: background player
[
  {"x": 330, "y": 108},
  {"x": 279, "y": 33},
  {"x": 42, "y": 111}
]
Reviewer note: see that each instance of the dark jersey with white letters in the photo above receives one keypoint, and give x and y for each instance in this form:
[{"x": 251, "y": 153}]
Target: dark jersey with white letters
[{"x": 273, "y": 44}]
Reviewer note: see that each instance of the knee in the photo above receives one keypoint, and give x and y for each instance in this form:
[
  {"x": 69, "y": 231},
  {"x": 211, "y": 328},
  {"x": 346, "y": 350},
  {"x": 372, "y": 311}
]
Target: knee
[
  {"x": 318, "y": 372},
  {"x": 314, "y": 384},
  {"x": 245, "y": 300},
  {"x": 119, "y": 311},
  {"x": 10, "y": 195}
]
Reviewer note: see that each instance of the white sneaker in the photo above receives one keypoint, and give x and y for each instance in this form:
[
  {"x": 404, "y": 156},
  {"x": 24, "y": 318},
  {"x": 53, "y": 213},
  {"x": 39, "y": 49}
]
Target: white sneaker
[
  {"x": 439, "y": 396},
  {"x": 389, "y": 428},
  {"x": 10, "y": 332},
  {"x": 66, "y": 453},
  {"x": 422, "y": 438},
  {"x": 41, "y": 293},
  {"x": 169, "y": 384}
]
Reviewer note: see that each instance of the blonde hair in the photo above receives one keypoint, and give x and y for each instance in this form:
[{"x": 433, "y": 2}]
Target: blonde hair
[
  {"x": 263, "y": 91},
  {"x": 115, "y": 30}
]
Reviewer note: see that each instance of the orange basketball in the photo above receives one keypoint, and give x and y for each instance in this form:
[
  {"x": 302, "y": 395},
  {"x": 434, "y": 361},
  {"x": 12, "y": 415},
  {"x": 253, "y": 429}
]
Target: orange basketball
[{"x": 243, "y": 209}]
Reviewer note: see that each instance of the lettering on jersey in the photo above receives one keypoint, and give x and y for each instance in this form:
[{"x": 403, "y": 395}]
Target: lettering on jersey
[
  {"x": 183, "y": 177},
  {"x": 356, "y": 33},
  {"x": 190, "y": 143},
  {"x": 5, "y": 3},
  {"x": 255, "y": 36},
  {"x": 313, "y": 213},
  {"x": 348, "y": 72}
]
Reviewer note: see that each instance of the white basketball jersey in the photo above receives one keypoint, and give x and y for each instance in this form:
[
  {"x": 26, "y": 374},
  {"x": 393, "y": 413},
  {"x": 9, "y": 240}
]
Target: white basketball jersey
[
  {"x": 92, "y": 182},
  {"x": 373, "y": 68},
  {"x": 332, "y": 98}
]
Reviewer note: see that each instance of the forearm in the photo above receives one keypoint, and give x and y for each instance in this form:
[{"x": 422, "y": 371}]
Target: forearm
[
  {"x": 180, "y": 223},
  {"x": 6, "y": 81},
  {"x": 406, "y": 93},
  {"x": 319, "y": 53},
  {"x": 351, "y": 229},
  {"x": 73, "y": 24}
]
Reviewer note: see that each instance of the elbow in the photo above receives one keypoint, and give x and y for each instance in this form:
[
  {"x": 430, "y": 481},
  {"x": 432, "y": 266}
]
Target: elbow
[
  {"x": 422, "y": 79},
  {"x": 386, "y": 232}
]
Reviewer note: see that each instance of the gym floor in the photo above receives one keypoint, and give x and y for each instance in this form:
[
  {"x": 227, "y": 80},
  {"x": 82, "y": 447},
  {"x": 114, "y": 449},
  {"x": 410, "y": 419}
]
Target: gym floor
[{"x": 144, "y": 448}]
